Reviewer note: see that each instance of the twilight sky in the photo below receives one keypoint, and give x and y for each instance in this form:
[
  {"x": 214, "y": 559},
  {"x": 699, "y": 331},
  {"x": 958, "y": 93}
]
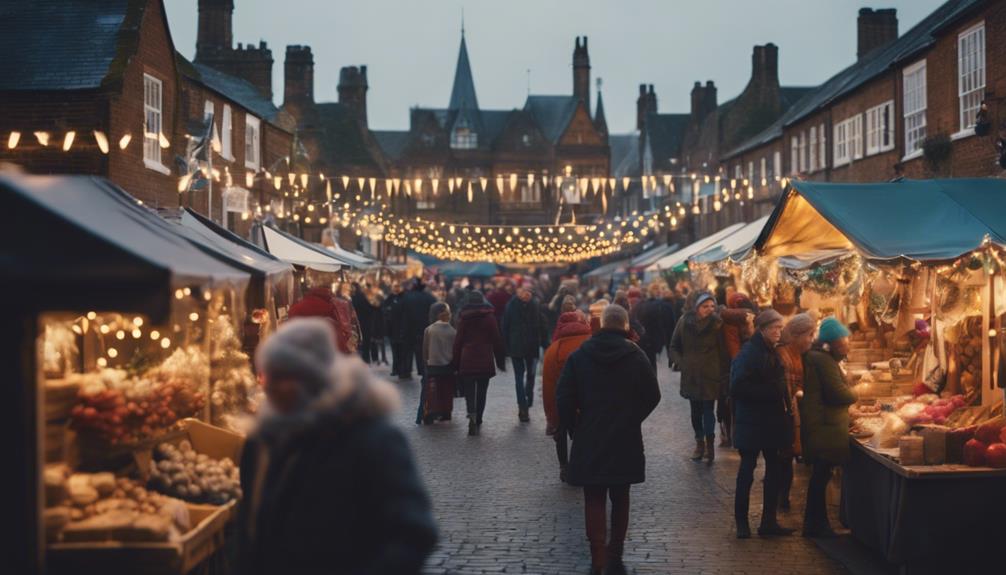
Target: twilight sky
[{"x": 410, "y": 46}]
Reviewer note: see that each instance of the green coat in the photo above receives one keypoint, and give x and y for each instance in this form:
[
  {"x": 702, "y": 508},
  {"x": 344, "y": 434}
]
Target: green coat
[
  {"x": 700, "y": 352},
  {"x": 824, "y": 409}
]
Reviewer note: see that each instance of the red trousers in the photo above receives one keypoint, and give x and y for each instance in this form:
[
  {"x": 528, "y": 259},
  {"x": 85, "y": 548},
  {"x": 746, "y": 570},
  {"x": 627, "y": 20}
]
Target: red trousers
[{"x": 595, "y": 508}]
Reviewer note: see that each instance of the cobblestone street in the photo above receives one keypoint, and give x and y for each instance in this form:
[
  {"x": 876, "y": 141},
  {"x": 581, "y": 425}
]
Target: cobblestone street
[{"x": 501, "y": 508}]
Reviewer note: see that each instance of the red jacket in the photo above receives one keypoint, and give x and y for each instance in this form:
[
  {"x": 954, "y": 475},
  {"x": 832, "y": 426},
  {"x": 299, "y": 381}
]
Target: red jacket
[
  {"x": 478, "y": 342},
  {"x": 571, "y": 331},
  {"x": 499, "y": 298},
  {"x": 321, "y": 302}
]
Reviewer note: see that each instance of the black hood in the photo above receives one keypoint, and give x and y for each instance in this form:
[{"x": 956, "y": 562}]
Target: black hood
[{"x": 608, "y": 346}]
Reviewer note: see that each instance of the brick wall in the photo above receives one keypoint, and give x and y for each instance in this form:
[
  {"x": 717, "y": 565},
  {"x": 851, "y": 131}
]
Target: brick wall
[{"x": 30, "y": 112}]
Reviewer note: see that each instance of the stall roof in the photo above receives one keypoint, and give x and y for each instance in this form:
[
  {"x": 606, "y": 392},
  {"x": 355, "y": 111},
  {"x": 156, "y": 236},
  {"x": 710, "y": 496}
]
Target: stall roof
[
  {"x": 469, "y": 269},
  {"x": 681, "y": 256},
  {"x": 298, "y": 252},
  {"x": 926, "y": 220},
  {"x": 609, "y": 268},
  {"x": 734, "y": 246},
  {"x": 349, "y": 258},
  {"x": 79, "y": 241},
  {"x": 651, "y": 255}
]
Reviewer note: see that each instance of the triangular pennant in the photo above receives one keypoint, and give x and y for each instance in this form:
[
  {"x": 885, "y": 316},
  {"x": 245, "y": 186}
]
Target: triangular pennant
[
  {"x": 667, "y": 180},
  {"x": 389, "y": 187},
  {"x": 483, "y": 182},
  {"x": 450, "y": 185},
  {"x": 373, "y": 186},
  {"x": 360, "y": 182},
  {"x": 604, "y": 203},
  {"x": 596, "y": 184},
  {"x": 303, "y": 180},
  {"x": 345, "y": 182},
  {"x": 611, "y": 184},
  {"x": 530, "y": 180},
  {"x": 419, "y": 186},
  {"x": 470, "y": 197},
  {"x": 436, "y": 184},
  {"x": 408, "y": 188},
  {"x": 625, "y": 183},
  {"x": 513, "y": 182},
  {"x": 292, "y": 177}
]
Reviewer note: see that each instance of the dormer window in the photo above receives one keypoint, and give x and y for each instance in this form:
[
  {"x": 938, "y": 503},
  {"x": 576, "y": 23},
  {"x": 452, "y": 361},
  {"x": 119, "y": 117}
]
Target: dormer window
[{"x": 463, "y": 137}]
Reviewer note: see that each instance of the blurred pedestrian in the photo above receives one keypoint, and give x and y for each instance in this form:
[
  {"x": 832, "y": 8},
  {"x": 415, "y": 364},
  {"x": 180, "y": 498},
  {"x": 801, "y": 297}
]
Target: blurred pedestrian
[
  {"x": 571, "y": 330},
  {"x": 330, "y": 482},
  {"x": 606, "y": 390},
  {"x": 477, "y": 344},
  {"x": 378, "y": 352},
  {"x": 362, "y": 308},
  {"x": 415, "y": 317},
  {"x": 797, "y": 339},
  {"x": 320, "y": 301},
  {"x": 824, "y": 419},
  {"x": 738, "y": 317},
  {"x": 649, "y": 313},
  {"x": 669, "y": 314},
  {"x": 698, "y": 349},
  {"x": 394, "y": 323},
  {"x": 764, "y": 421},
  {"x": 499, "y": 298},
  {"x": 438, "y": 354},
  {"x": 596, "y": 309},
  {"x": 525, "y": 332}
]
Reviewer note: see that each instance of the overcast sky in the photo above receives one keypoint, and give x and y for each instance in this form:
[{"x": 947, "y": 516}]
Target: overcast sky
[{"x": 410, "y": 47}]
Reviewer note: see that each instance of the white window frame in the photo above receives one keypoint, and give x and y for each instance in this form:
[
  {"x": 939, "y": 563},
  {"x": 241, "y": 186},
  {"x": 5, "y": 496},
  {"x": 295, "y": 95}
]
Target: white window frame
[
  {"x": 153, "y": 109},
  {"x": 738, "y": 172},
  {"x": 764, "y": 168},
  {"x": 914, "y": 102},
  {"x": 794, "y": 155},
  {"x": 823, "y": 147},
  {"x": 848, "y": 140},
  {"x": 776, "y": 163},
  {"x": 857, "y": 136},
  {"x": 842, "y": 155},
  {"x": 227, "y": 134},
  {"x": 751, "y": 173},
  {"x": 880, "y": 127},
  {"x": 253, "y": 149},
  {"x": 970, "y": 75},
  {"x": 803, "y": 152},
  {"x": 812, "y": 150}
]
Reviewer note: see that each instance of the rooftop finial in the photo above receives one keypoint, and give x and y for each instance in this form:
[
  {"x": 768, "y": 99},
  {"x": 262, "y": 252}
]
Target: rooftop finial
[
  {"x": 599, "y": 82},
  {"x": 462, "y": 21}
]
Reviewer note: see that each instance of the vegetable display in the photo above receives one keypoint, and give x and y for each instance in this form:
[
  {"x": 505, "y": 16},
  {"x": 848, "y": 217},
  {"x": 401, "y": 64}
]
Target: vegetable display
[{"x": 183, "y": 473}]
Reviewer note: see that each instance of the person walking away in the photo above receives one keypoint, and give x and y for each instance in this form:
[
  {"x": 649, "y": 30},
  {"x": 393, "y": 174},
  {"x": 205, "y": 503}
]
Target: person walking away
[
  {"x": 499, "y": 298},
  {"x": 635, "y": 328},
  {"x": 438, "y": 354},
  {"x": 571, "y": 330},
  {"x": 596, "y": 309},
  {"x": 606, "y": 390},
  {"x": 394, "y": 317},
  {"x": 764, "y": 421},
  {"x": 824, "y": 419},
  {"x": 319, "y": 301},
  {"x": 477, "y": 344},
  {"x": 525, "y": 332},
  {"x": 669, "y": 315},
  {"x": 797, "y": 339},
  {"x": 738, "y": 327},
  {"x": 649, "y": 313},
  {"x": 415, "y": 317},
  {"x": 698, "y": 349},
  {"x": 362, "y": 308},
  {"x": 378, "y": 352},
  {"x": 330, "y": 482}
]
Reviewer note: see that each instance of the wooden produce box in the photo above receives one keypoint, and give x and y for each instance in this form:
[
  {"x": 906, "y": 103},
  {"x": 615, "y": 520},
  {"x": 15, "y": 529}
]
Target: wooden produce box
[{"x": 146, "y": 558}]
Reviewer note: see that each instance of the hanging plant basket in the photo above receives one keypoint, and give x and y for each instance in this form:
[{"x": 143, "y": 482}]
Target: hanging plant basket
[{"x": 936, "y": 151}]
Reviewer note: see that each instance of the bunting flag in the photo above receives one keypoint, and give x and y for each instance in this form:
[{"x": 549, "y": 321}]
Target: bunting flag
[
  {"x": 408, "y": 188},
  {"x": 436, "y": 184},
  {"x": 359, "y": 183},
  {"x": 667, "y": 180},
  {"x": 373, "y": 186},
  {"x": 513, "y": 182},
  {"x": 611, "y": 184},
  {"x": 397, "y": 183},
  {"x": 389, "y": 187},
  {"x": 345, "y": 182},
  {"x": 483, "y": 182},
  {"x": 544, "y": 181},
  {"x": 530, "y": 180},
  {"x": 625, "y": 183},
  {"x": 419, "y": 186},
  {"x": 558, "y": 182},
  {"x": 277, "y": 182},
  {"x": 292, "y": 177},
  {"x": 596, "y": 184},
  {"x": 328, "y": 192},
  {"x": 470, "y": 196},
  {"x": 604, "y": 203},
  {"x": 499, "y": 185},
  {"x": 450, "y": 185}
]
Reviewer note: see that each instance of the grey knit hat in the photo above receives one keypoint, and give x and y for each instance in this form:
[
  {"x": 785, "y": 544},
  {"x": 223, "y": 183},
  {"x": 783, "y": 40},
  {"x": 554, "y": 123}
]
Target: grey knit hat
[
  {"x": 799, "y": 324},
  {"x": 302, "y": 349},
  {"x": 767, "y": 317}
]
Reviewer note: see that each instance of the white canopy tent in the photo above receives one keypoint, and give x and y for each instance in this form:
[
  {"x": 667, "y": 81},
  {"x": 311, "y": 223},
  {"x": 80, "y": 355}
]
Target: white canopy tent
[
  {"x": 349, "y": 258},
  {"x": 681, "y": 256},
  {"x": 734, "y": 246},
  {"x": 299, "y": 252}
]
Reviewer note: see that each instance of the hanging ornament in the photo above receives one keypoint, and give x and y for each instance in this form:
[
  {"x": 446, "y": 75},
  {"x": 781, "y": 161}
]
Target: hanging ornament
[{"x": 499, "y": 185}]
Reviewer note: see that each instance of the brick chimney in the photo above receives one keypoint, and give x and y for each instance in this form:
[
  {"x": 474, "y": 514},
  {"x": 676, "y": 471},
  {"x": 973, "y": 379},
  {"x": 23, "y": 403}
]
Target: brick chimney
[
  {"x": 646, "y": 103},
  {"x": 581, "y": 72},
  {"x": 765, "y": 64},
  {"x": 703, "y": 100},
  {"x": 298, "y": 78},
  {"x": 353, "y": 90},
  {"x": 215, "y": 33},
  {"x": 875, "y": 29}
]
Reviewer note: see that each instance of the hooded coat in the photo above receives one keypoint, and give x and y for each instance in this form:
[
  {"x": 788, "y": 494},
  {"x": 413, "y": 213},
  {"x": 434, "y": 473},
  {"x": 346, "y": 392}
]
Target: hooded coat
[
  {"x": 416, "y": 312},
  {"x": 321, "y": 302},
  {"x": 824, "y": 409},
  {"x": 478, "y": 341},
  {"x": 651, "y": 316},
  {"x": 762, "y": 410},
  {"x": 524, "y": 328},
  {"x": 698, "y": 349},
  {"x": 606, "y": 390},
  {"x": 334, "y": 489},
  {"x": 571, "y": 331}
]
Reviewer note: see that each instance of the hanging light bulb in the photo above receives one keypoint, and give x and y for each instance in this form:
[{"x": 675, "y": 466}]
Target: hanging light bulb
[
  {"x": 42, "y": 137},
  {"x": 13, "y": 139}
]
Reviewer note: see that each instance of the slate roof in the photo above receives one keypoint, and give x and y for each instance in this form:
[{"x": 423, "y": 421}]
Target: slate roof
[
  {"x": 66, "y": 44},
  {"x": 665, "y": 134},
  {"x": 344, "y": 142},
  {"x": 238, "y": 90},
  {"x": 908, "y": 45},
  {"x": 392, "y": 142},
  {"x": 552, "y": 113},
  {"x": 624, "y": 155},
  {"x": 600, "y": 122},
  {"x": 463, "y": 91}
]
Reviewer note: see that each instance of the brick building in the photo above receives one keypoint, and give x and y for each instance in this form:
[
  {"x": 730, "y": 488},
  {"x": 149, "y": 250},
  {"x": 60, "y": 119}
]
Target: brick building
[
  {"x": 908, "y": 106},
  {"x": 509, "y": 158}
]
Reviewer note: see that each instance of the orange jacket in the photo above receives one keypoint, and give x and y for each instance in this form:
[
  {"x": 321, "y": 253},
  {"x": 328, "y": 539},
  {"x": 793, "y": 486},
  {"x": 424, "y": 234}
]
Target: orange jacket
[{"x": 570, "y": 332}]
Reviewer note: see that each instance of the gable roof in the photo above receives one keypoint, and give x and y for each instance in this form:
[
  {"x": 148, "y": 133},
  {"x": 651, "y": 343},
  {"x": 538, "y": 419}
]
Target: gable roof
[
  {"x": 238, "y": 90},
  {"x": 392, "y": 142},
  {"x": 906, "y": 46},
  {"x": 68, "y": 44},
  {"x": 665, "y": 134},
  {"x": 463, "y": 91},
  {"x": 624, "y": 155},
  {"x": 553, "y": 113}
]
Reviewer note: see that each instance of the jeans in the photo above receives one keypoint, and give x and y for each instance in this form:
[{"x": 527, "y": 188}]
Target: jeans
[
  {"x": 412, "y": 346},
  {"x": 525, "y": 391},
  {"x": 703, "y": 418},
  {"x": 745, "y": 478},
  {"x": 815, "y": 518},
  {"x": 595, "y": 508},
  {"x": 475, "y": 396}
]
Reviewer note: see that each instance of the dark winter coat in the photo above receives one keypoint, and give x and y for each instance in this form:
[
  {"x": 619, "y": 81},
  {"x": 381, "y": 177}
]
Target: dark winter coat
[
  {"x": 334, "y": 490},
  {"x": 669, "y": 315},
  {"x": 478, "y": 342},
  {"x": 394, "y": 316},
  {"x": 363, "y": 309},
  {"x": 525, "y": 329},
  {"x": 762, "y": 411},
  {"x": 606, "y": 390},
  {"x": 416, "y": 312},
  {"x": 650, "y": 315},
  {"x": 824, "y": 409},
  {"x": 698, "y": 349}
]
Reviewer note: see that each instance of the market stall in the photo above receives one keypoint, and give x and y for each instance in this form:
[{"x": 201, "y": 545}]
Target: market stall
[
  {"x": 914, "y": 268},
  {"x": 718, "y": 262},
  {"x": 109, "y": 314},
  {"x": 678, "y": 261}
]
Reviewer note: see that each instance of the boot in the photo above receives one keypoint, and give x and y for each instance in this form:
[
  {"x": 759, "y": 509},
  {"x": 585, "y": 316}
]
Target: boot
[
  {"x": 598, "y": 558},
  {"x": 522, "y": 415},
  {"x": 615, "y": 566},
  {"x": 700, "y": 448},
  {"x": 473, "y": 429},
  {"x": 743, "y": 529},
  {"x": 563, "y": 477},
  {"x": 774, "y": 529},
  {"x": 710, "y": 448}
]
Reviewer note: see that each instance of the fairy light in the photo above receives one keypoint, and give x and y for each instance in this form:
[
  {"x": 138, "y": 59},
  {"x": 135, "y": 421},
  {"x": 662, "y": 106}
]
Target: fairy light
[
  {"x": 13, "y": 140},
  {"x": 112, "y": 352},
  {"x": 92, "y": 315},
  {"x": 165, "y": 343},
  {"x": 137, "y": 334},
  {"x": 138, "y": 321},
  {"x": 102, "y": 362},
  {"x": 193, "y": 316},
  {"x": 104, "y": 329},
  {"x": 155, "y": 334},
  {"x": 120, "y": 335}
]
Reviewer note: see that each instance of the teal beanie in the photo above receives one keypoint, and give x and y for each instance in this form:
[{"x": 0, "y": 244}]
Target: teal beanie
[{"x": 831, "y": 329}]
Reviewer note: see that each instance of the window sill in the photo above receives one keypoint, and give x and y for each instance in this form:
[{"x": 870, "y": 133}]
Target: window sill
[
  {"x": 251, "y": 166},
  {"x": 912, "y": 156},
  {"x": 156, "y": 166},
  {"x": 965, "y": 133},
  {"x": 228, "y": 157}
]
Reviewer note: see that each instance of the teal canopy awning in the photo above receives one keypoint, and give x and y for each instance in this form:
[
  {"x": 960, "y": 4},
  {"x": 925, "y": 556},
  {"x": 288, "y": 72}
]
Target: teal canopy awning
[{"x": 925, "y": 220}]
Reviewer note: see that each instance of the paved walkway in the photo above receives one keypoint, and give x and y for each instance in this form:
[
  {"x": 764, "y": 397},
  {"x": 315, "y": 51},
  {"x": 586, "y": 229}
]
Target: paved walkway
[{"x": 501, "y": 508}]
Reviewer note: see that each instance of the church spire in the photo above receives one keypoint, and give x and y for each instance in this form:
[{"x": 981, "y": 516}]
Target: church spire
[
  {"x": 463, "y": 92},
  {"x": 600, "y": 122}
]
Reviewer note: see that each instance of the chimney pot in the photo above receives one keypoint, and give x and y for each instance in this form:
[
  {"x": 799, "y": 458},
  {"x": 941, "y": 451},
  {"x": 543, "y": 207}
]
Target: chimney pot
[{"x": 875, "y": 29}]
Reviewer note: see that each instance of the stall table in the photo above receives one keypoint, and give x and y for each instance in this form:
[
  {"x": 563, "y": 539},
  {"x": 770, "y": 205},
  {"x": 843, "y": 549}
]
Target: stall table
[{"x": 914, "y": 515}]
